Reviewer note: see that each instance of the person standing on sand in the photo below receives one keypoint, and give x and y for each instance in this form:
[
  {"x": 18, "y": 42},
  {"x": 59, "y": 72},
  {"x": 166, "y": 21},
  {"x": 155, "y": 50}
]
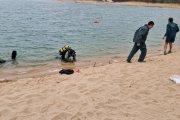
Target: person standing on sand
[
  {"x": 139, "y": 40},
  {"x": 170, "y": 35}
]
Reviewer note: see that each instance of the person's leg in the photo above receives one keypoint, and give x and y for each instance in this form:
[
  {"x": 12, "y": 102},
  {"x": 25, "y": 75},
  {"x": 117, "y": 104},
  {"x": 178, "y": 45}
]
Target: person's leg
[
  {"x": 143, "y": 54},
  {"x": 165, "y": 47},
  {"x": 63, "y": 56},
  {"x": 133, "y": 52},
  {"x": 170, "y": 47}
]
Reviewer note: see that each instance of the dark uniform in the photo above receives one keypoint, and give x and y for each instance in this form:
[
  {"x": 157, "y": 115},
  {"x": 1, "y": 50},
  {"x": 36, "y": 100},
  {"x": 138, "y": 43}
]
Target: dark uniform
[
  {"x": 171, "y": 30},
  {"x": 140, "y": 36}
]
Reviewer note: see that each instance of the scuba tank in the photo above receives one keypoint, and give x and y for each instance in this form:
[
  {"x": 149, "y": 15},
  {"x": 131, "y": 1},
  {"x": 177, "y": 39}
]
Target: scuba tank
[{"x": 64, "y": 49}]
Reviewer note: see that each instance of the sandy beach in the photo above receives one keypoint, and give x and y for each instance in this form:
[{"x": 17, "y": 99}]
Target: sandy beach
[
  {"x": 161, "y": 5},
  {"x": 118, "y": 91}
]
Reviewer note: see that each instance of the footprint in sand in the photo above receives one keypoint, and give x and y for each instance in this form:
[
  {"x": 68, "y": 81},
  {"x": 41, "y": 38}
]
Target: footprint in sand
[
  {"x": 171, "y": 89},
  {"x": 100, "y": 113},
  {"x": 93, "y": 79},
  {"x": 70, "y": 87},
  {"x": 113, "y": 101},
  {"x": 5, "y": 112},
  {"x": 145, "y": 92},
  {"x": 178, "y": 116},
  {"x": 14, "y": 118},
  {"x": 73, "y": 96},
  {"x": 82, "y": 88},
  {"x": 14, "y": 97},
  {"x": 78, "y": 116},
  {"x": 47, "y": 107},
  {"x": 32, "y": 98},
  {"x": 107, "y": 119},
  {"x": 105, "y": 106},
  {"x": 62, "y": 116},
  {"x": 178, "y": 96},
  {"x": 90, "y": 114},
  {"x": 136, "y": 97}
]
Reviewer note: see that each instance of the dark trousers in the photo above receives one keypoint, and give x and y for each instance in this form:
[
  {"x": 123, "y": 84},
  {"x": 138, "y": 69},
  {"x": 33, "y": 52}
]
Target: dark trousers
[
  {"x": 143, "y": 49},
  {"x": 63, "y": 56}
]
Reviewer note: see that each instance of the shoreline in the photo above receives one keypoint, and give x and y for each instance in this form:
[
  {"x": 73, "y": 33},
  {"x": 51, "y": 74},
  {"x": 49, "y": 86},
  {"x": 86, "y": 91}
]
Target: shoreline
[
  {"x": 53, "y": 67},
  {"x": 144, "y": 4}
]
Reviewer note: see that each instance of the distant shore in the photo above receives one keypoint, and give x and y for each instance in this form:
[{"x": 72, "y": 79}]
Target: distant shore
[{"x": 145, "y": 4}]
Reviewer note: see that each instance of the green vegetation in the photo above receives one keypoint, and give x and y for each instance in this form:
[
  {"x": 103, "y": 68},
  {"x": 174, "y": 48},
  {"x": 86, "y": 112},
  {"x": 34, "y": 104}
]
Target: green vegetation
[{"x": 154, "y": 1}]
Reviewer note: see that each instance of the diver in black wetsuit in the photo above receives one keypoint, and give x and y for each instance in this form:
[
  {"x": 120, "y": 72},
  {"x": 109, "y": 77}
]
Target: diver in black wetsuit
[
  {"x": 70, "y": 53},
  {"x": 13, "y": 57}
]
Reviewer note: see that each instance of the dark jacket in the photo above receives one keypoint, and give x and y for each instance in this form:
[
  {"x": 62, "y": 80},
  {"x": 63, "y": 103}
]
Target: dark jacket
[
  {"x": 140, "y": 35},
  {"x": 171, "y": 30}
]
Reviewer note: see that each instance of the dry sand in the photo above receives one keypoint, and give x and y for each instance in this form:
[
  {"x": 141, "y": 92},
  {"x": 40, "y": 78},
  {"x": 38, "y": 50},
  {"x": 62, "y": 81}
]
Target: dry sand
[
  {"x": 118, "y": 91},
  {"x": 145, "y": 4}
]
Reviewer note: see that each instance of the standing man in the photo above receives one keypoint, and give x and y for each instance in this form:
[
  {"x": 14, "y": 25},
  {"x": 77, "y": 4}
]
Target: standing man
[
  {"x": 171, "y": 30},
  {"x": 139, "y": 40}
]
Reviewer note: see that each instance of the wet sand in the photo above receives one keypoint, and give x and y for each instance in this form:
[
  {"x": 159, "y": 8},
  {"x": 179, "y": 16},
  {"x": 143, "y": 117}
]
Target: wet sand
[
  {"x": 117, "y": 91},
  {"x": 145, "y": 4}
]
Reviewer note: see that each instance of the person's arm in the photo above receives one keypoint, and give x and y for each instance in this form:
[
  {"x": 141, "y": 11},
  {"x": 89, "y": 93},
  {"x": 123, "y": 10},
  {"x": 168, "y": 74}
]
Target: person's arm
[
  {"x": 167, "y": 31},
  {"x": 177, "y": 28}
]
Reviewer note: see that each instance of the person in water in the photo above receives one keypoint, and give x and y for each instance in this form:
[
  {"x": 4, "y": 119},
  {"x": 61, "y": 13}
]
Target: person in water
[
  {"x": 13, "y": 57},
  {"x": 70, "y": 53},
  {"x": 139, "y": 40},
  {"x": 170, "y": 35}
]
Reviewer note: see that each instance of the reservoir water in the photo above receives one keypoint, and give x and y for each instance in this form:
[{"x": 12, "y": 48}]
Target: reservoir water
[{"x": 38, "y": 28}]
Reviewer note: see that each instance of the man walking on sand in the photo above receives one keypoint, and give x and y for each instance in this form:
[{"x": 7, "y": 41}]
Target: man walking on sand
[
  {"x": 139, "y": 40},
  {"x": 171, "y": 30}
]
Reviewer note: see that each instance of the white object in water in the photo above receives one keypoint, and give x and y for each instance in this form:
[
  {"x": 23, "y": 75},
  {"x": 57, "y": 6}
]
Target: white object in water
[{"x": 175, "y": 78}]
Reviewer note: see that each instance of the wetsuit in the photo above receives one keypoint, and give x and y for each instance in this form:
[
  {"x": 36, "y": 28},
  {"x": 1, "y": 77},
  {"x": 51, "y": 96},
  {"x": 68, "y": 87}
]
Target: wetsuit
[{"x": 70, "y": 53}]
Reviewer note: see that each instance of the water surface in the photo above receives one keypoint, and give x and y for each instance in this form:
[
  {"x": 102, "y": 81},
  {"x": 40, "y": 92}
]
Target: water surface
[{"x": 38, "y": 28}]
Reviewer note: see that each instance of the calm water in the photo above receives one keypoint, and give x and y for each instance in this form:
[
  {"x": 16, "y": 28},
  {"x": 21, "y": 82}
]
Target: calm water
[{"x": 38, "y": 28}]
